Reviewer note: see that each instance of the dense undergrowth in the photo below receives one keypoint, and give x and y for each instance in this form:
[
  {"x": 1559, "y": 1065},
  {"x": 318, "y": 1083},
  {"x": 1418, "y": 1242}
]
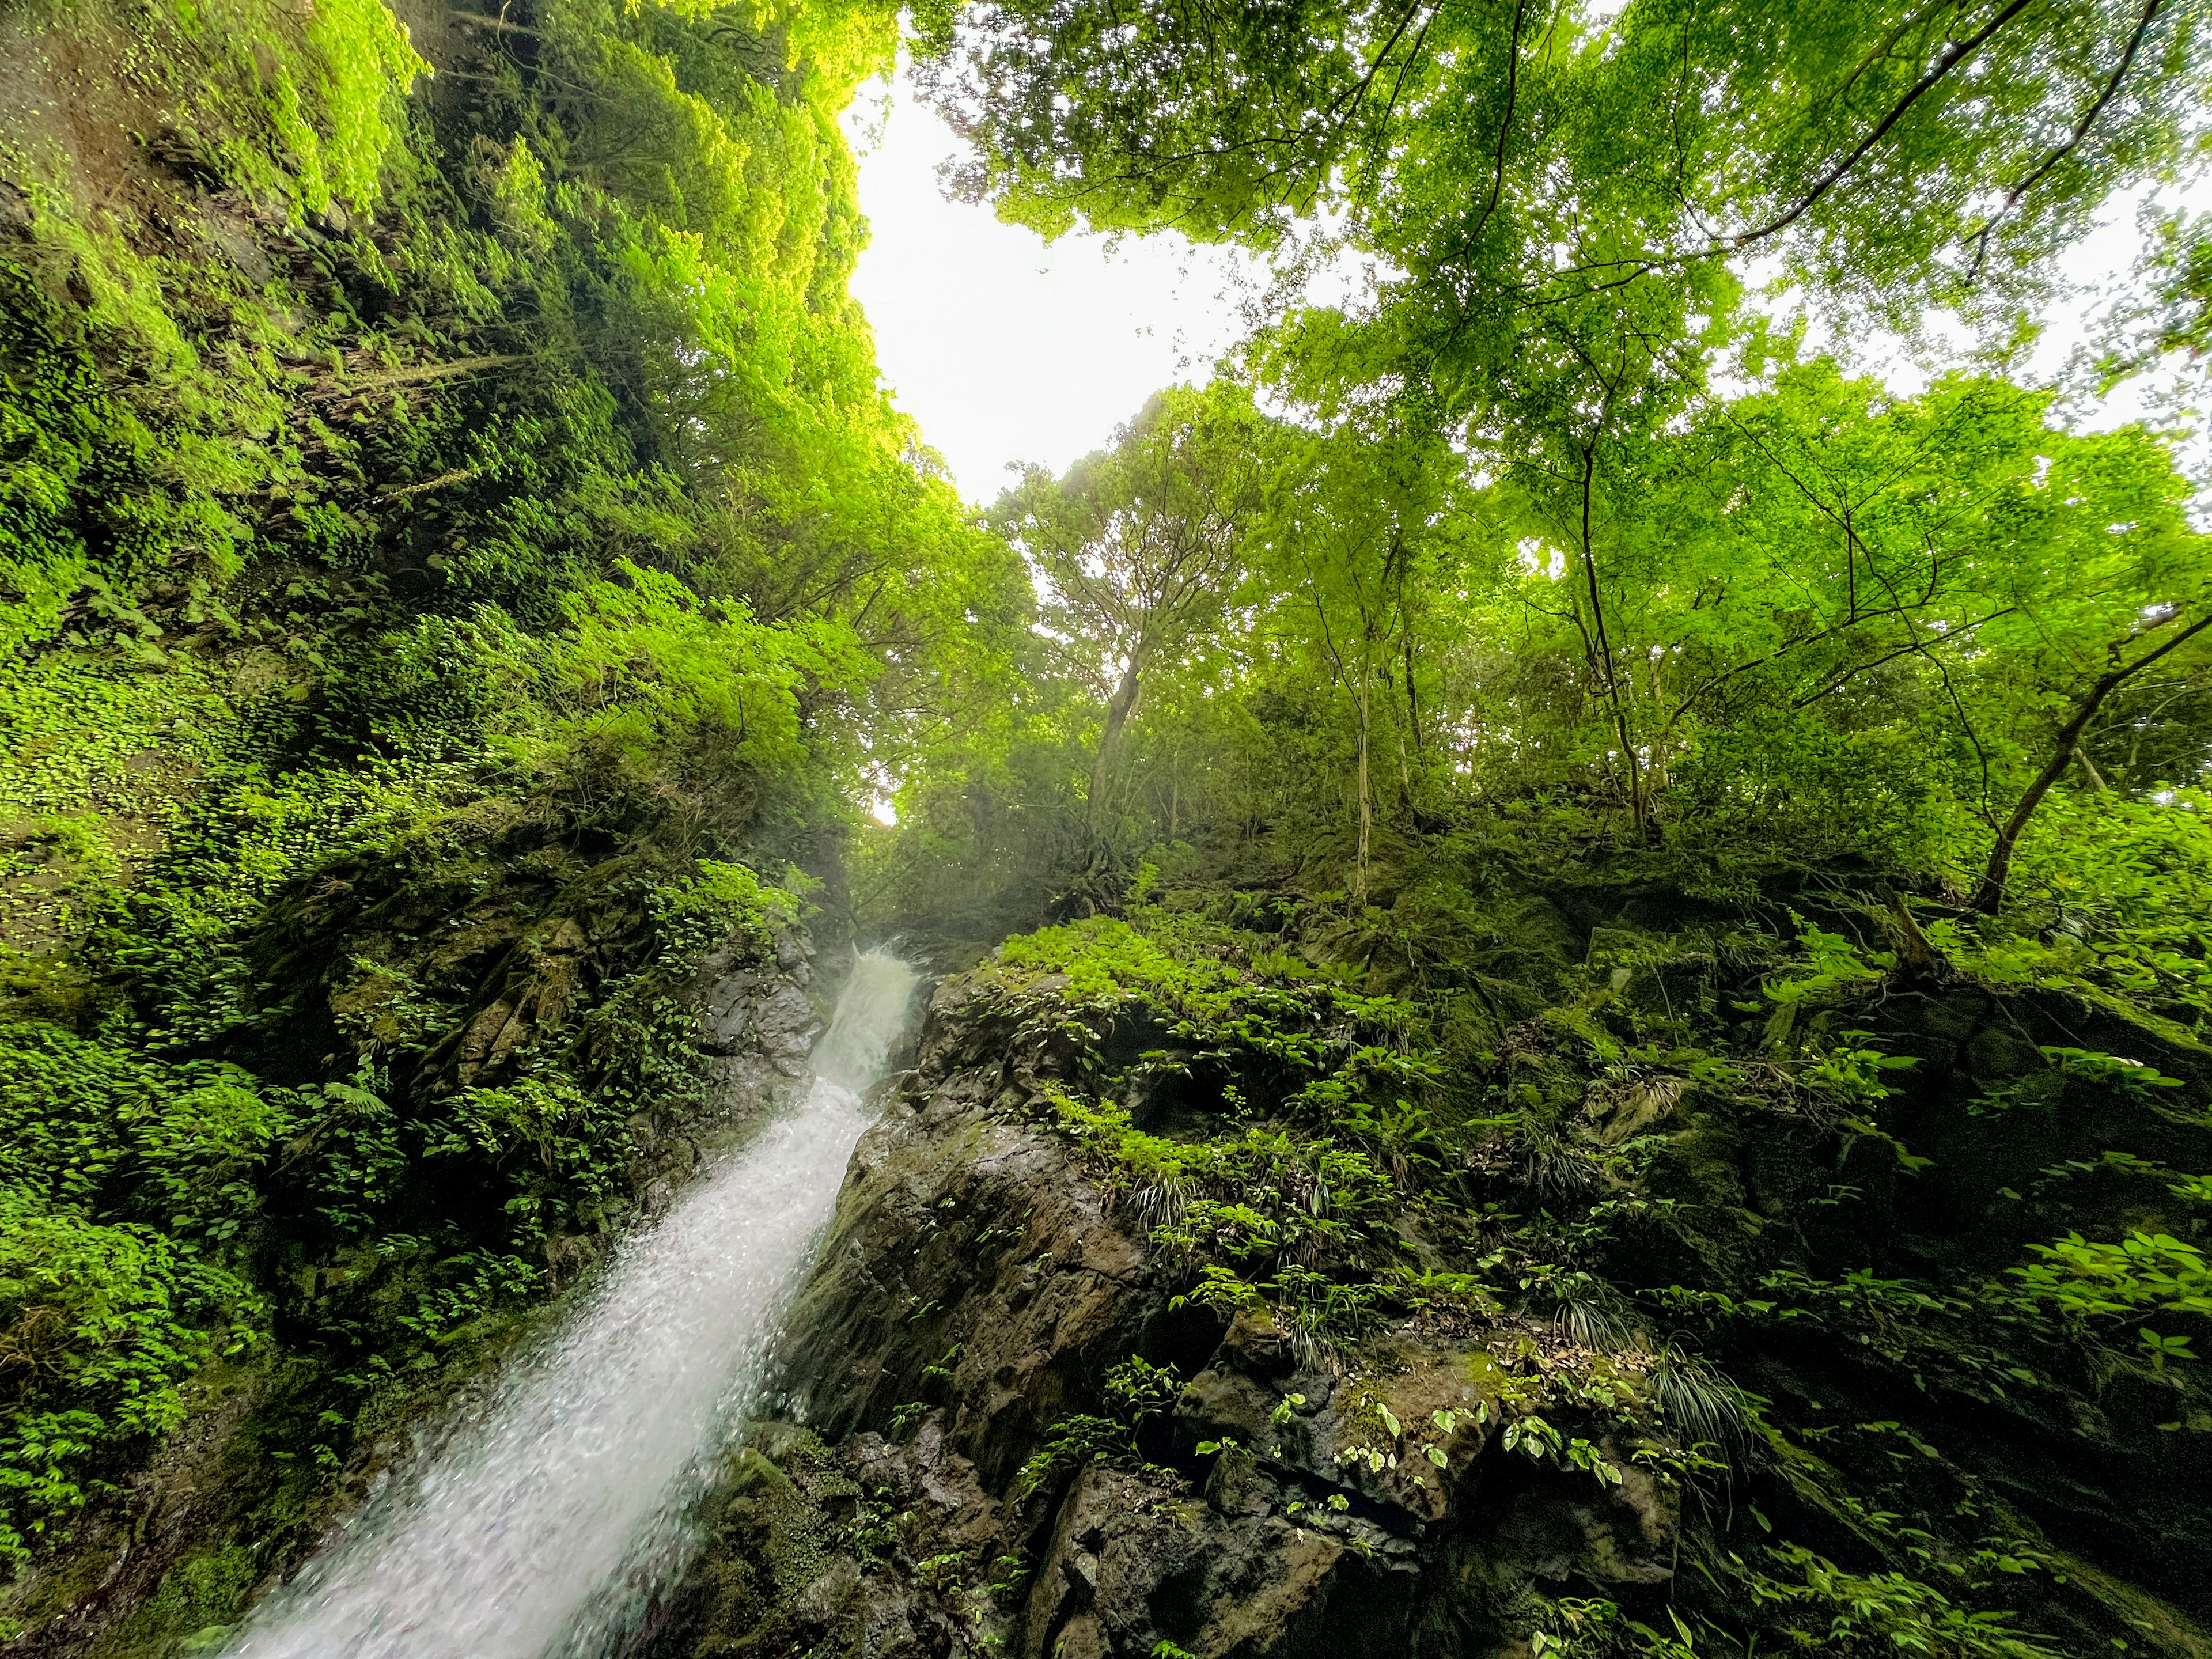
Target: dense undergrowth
[
  {"x": 1873, "y": 1232},
  {"x": 451, "y": 537}
]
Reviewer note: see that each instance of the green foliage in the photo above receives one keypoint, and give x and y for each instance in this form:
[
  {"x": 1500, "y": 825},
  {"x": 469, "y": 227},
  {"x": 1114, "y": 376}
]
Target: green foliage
[
  {"x": 1564, "y": 1171},
  {"x": 2142, "y": 1275},
  {"x": 103, "y": 1326},
  {"x": 679, "y": 689},
  {"x": 1653, "y": 144},
  {"x": 365, "y": 64},
  {"x": 434, "y": 546},
  {"x": 1676, "y": 808},
  {"x": 1884, "y": 1613},
  {"x": 1137, "y": 1391},
  {"x": 550, "y": 1123},
  {"x": 1830, "y": 1611},
  {"x": 1529, "y": 772},
  {"x": 89, "y": 1126},
  {"x": 1108, "y": 960}
]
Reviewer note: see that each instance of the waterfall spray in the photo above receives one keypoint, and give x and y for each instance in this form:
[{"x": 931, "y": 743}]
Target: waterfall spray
[{"x": 538, "y": 1530}]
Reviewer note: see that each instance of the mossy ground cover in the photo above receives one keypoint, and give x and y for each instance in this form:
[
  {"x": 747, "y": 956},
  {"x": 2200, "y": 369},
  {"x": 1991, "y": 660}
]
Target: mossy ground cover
[{"x": 1808, "y": 1204}]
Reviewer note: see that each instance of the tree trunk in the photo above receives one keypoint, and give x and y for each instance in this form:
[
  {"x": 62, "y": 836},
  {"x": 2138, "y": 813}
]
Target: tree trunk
[
  {"x": 1366, "y": 800},
  {"x": 1604, "y": 653},
  {"x": 1412, "y": 693},
  {"x": 1989, "y": 892},
  {"x": 1119, "y": 707}
]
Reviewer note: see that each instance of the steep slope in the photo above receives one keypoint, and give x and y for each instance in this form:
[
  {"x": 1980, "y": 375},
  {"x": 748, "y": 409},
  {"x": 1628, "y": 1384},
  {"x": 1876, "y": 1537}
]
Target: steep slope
[
  {"x": 443, "y": 471},
  {"x": 1116, "y": 1348}
]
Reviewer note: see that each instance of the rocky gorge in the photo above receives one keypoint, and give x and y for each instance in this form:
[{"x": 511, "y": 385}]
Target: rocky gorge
[
  {"x": 978, "y": 1272},
  {"x": 964, "y": 1459}
]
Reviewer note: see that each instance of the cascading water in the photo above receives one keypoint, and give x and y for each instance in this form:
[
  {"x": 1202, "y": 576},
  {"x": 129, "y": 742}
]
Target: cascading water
[{"x": 539, "y": 1530}]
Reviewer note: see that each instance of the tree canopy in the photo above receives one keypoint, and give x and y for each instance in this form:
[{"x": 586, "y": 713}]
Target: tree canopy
[{"x": 1560, "y": 499}]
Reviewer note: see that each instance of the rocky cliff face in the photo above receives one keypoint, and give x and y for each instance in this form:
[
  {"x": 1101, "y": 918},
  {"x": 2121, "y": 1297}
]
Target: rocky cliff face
[
  {"x": 973, "y": 1302},
  {"x": 1009, "y": 1417},
  {"x": 1007, "y": 1425}
]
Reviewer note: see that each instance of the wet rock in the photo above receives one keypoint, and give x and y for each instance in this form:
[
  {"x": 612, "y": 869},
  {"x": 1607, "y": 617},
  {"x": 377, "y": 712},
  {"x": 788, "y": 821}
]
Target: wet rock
[
  {"x": 1255, "y": 1345},
  {"x": 785, "y": 1024},
  {"x": 974, "y": 1291}
]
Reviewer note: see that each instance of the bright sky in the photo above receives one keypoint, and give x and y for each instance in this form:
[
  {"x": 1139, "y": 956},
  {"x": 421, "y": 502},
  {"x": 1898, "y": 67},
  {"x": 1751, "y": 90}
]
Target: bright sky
[{"x": 1007, "y": 351}]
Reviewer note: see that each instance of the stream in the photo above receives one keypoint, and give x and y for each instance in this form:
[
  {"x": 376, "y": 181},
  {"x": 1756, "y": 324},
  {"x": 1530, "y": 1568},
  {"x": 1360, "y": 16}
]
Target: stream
[{"x": 540, "y": 1527}]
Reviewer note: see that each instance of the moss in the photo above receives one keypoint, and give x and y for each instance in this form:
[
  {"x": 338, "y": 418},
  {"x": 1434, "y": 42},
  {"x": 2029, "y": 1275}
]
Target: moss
[
  {"x": 199, "y": 1598},
  {"x": 785, "y": 1514},
  {"x": 1489, "y": 1377}
]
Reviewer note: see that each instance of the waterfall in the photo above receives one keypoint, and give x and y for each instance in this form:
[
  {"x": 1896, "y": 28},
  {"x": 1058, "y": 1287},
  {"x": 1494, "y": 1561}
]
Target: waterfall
[{"x": 539, "y": 1528}]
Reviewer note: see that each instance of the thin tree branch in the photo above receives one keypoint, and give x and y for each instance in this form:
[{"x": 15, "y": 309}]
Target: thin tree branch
[
  {"x": 2073, "y": 140},
  {"x": 1505, "y": 126},
  {"x": 1989, "y": 892}
]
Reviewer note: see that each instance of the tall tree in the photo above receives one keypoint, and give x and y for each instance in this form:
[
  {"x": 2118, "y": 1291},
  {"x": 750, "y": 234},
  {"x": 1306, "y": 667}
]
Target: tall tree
[
  {"x": 1138, "y": 547},
  {"x": 1350, "y": 545}
]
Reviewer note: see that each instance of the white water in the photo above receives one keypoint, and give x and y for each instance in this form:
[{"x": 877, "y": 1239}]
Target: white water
[{"x": 538, "y": 1530}]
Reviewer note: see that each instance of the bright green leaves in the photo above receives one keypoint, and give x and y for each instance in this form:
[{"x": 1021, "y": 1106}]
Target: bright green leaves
[
  {"x": 549, "y": 1120},
  {"x": 2141, "y": 1277},
  {"x": 722, "y": 903},
  {"x": 1137, "y": 1392},
  {"x": 1525, "y": 151},
  {"x": 1360, "y": 541},
  {"x": 467, "y": 482},
  {"x": 1282, "y": 1205},
  {"x": 1533, "y": 1438},
  {"x": 1106, "y": 958},
  {"x": 2129, "y": 1076},
  {"x": 368, "y": 65},
  {"x": 1230, "y": 591},
  {"x": 1811, "y": 621},
  {"x": 1833, "y": 965},
  {"x": 669, "y": 681},
  {"x": 85, "y": 1125},
  {"x": 110, "y": 1320},
  {"x": 1221, "y": 122},
  {"x": 1827, "y": 621},
  {"x": 1837, "y": 614},
  {"x": 712, "y": 194},
  {"x": 1139, "y": 552},
  {"x": 1898, "y": 1611},
  {"x": 1180, "y": 960}
]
